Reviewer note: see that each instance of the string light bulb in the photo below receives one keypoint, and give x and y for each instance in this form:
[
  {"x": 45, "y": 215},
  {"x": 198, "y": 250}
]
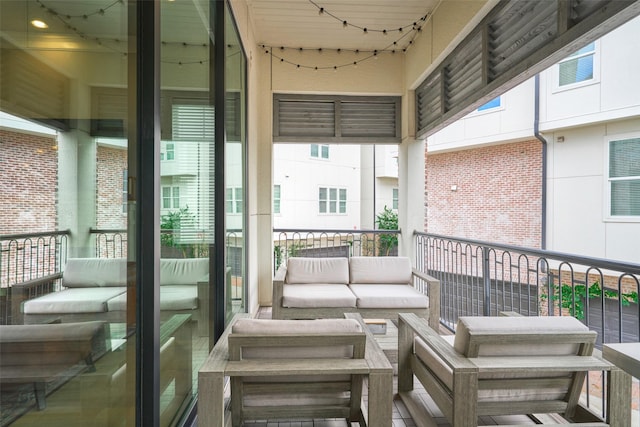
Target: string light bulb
[{"x": 321, "y": 11}]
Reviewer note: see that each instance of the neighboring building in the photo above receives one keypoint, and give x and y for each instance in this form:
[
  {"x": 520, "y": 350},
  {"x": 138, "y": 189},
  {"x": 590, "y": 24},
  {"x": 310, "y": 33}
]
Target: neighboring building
[
  {"x": 330, "y": 186},
  {"x": 484, "y": 173}
]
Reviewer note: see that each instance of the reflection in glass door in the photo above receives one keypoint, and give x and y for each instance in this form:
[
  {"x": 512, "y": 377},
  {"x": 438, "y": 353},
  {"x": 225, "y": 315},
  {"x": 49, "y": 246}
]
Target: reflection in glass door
[{"x": 235, "y": 171}]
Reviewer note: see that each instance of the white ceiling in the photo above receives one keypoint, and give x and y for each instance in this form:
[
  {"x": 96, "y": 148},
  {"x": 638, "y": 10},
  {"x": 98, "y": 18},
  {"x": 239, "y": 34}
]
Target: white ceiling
[{"x": 299, "y": 23}]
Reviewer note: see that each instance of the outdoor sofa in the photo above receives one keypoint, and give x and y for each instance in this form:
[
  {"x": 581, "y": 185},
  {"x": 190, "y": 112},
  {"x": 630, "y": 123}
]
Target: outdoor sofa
[
  {"x": 96, "y": 289},
  {"x": 375, "y": 287}
]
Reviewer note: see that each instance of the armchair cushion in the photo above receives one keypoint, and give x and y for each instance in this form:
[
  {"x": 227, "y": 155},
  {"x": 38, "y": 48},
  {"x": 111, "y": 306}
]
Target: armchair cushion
[
  {"x": 469, "y": 325},
  {"x": 317, "y": 295},
  {"x": 317, "y": 270},
  {"x": 389, "y": 296}
]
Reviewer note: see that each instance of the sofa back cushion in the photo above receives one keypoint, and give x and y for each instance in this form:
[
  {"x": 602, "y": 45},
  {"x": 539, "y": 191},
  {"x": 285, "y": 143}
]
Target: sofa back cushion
[
  {"x": 518, "y": 336},
  {"x": 94, "y": 272},
  {"x": 179, "y": 271},
  {"x": 380, "y": 270},
  {"x": 318, "y": 270}
]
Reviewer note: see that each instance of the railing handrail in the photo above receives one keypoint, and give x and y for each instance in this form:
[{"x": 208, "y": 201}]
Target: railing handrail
[
  {"x": 38, "y": 234},
  {"x": 347, "y": 231},
  {"x": 628, "y": 267}
]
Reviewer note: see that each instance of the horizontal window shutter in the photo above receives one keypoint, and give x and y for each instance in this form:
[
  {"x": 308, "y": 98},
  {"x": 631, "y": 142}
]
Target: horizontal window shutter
[
  {"x": 336, "y": 119},
  {"x": 306, "y": 118}
]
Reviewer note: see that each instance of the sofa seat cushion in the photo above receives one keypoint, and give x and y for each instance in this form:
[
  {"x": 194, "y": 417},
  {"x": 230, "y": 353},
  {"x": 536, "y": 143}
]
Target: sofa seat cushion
[
  {"x": 380, "y": 270},
  {"x": 73, "y": 300},
  {"x": 317, "y": 295},
  {"x": 94, "y": 272},
  {"x": 302, "y": 270},
  {"x": 172, "y": 297},
  {"x": 179, "y": 271},
  {"x": 388, "y": 296}
]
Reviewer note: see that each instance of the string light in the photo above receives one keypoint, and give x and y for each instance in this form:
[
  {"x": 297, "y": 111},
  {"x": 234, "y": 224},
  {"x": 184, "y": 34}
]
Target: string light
[
  {"x": 345, "y": 23},
  {"x": 66, "y": 19}
]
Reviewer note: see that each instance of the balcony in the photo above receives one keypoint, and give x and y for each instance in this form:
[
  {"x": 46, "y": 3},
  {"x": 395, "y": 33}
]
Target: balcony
[{"x": 477, "y": 279}]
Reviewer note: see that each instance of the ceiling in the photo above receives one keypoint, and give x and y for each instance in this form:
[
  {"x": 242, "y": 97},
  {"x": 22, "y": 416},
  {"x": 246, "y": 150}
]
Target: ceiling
[
  {"x": 100, "y": 25},
  {"x": 319, "y": 24}
]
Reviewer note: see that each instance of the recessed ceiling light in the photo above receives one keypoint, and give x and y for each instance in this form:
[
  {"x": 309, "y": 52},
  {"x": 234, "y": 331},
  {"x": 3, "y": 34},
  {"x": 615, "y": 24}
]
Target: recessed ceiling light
[{"x": 39, "y": 24}]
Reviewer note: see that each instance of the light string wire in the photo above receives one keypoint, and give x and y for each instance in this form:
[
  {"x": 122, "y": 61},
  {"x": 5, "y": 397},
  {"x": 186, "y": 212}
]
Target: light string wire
[
  {"x": 66, "y": 19},
  {"x": 372, "y": 53},
  {"x": 416, "y": 28}
]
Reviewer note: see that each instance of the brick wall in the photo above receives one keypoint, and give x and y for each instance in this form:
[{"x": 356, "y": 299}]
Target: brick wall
[
  {"x": 28, "y": 178},
  {"x": 497, "y": 196},
  {"x": 111, "y": 163}
]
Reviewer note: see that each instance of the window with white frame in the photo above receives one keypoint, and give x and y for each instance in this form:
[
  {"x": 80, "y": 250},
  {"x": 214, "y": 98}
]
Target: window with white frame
[
  {"x": 234, "y": 200},
  {"x": 332, "y": 200},
  {"x": 578, "y": 68},
  {"x": 170, "y": 197},
  {"x": 320, "y": 151},
  {"x": 276, "y": 199},
  {"x": 170, "y": 151},
  {"x": 395, "y": 199},
  {"x": 624, "y": 177}
]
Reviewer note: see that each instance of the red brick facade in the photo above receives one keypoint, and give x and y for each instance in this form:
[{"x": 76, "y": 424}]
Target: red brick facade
[
  {"x": 29, "y": 165},
  {"x": 111, "y": 164},
  {"x": 497, "y": 195}
]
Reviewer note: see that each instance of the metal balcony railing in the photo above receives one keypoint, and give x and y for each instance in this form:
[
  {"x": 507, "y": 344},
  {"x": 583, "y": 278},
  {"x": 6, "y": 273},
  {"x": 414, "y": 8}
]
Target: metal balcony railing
[
  {"x": 30, "y": 265},
  {"x": 481, "y": 279}
]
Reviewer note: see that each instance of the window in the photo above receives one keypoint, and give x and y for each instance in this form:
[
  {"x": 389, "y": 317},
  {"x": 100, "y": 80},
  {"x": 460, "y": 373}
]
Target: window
[
  {"x": 578, "y": 67},
  {"x": 395, "y": 199},
  {"x": 171, "y": 155},
  {"x": 332, "y": 200},
  {"x": 494, "y": 103},
  {"x": 234, "y": 200},
  {"x": 320, "y": 151},
  {"x": 125, "y": 190},
  {"x": 170, "y": 197},
  {"x": 624, "y": 177},
  {"x": 276, "y": 199}
]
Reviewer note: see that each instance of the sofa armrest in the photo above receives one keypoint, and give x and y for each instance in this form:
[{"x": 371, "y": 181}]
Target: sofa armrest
[
  {"x": 433, "y": 290},
  {"x": 278, "y": 283}
]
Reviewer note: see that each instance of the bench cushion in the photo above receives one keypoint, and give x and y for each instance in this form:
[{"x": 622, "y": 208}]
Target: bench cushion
[
  {"x": 94, "y": 272},
  {"x": 317, "y": 295},
  {"x": 388, "y": 296},
  {"x": 73, "y": 300},
  {"x": 178, "y": 271},
  {"x": 317, "y": 270},
  {"x": 380, "y": 270}
]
